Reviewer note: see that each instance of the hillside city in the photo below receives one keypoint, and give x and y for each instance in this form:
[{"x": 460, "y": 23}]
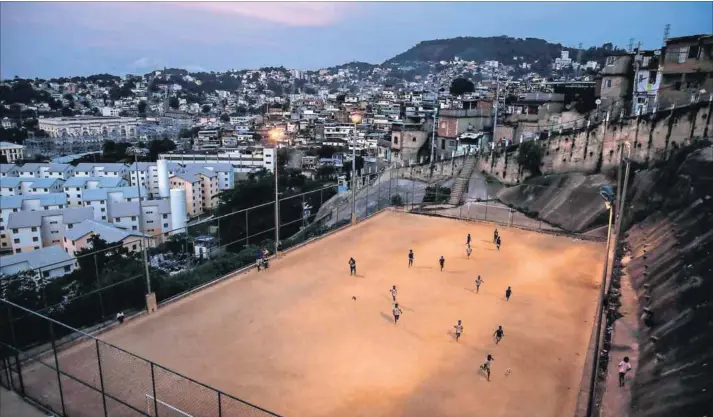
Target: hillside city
[{"x": 90, "y": 153}]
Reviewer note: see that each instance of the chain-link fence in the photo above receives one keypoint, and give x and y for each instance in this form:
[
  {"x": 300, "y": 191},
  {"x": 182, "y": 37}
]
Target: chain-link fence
[{"x": 77, "y": 375}]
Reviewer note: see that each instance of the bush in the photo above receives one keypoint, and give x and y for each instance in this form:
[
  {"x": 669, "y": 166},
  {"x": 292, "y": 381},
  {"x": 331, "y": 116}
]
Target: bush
[
  {"x": 397, "y": 201},
  {"x": 530, "y": 156}
]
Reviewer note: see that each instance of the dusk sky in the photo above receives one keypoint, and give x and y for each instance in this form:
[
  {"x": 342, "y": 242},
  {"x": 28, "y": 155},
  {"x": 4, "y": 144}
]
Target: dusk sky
[{"x": 66, "y": 39}]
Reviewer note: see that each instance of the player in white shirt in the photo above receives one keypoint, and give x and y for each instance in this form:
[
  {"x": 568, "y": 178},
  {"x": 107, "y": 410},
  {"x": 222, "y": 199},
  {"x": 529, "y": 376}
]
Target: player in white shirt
[
  {"x": 393, "y": 292},
  {"x": 624, "y": 367},
  {"x": 459, "y": 329},
  {"x": 397, "y": 313},
  {"x": 468, "y": 250},
  {"x": 478, "y": 281},
  {"x": 486, "y": 366}
]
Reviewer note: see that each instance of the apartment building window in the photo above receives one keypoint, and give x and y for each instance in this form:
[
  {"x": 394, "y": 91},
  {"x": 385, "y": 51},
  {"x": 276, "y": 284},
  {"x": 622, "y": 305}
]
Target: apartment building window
[
  {"x": 65, "y": 239},
  {"x": 165, "y": 216},
  {"x": 67, "y": 268},
  {"x": 2, "y": 227},
  {"x": 14, "y": 230},
  {"x": 149, "y": 221},
  {"x": 69, "y": 226},
  {"x": 607, "y": 83},
  {"x": 54, "y": 232},
  {"x": 103, "y": 210},
  {"x": 47, "y": 207},
  {"x": 46, "y": 274},
  {"x": 35, "y": 239},
  {"x": 2, "y": 236},
  {"x": 133, "y": 246},
  {"x": 19, "y": 250},
  {"x": 133, "y": 228},
  {"x": 165, "y": 225},
  {"x": 46, "y": 189},
  {"x": 133, "y": 218},
  {"x": 52, "y": 222},
  {"x": 16, "y": 240}
]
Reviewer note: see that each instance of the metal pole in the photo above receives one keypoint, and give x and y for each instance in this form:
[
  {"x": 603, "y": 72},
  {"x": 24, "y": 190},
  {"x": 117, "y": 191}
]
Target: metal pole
[
  {"x": 141, "y": 226},
  {"x": 620, "y": 205},
  {"x": 17, "y": 348},
  {"x": 595, "y": 362},
  {"x": 368, "y": 181},
  {"x": 354, "y": 216},
  {"x": 391, "y": 179},
  {"x": 101, "y": 376},
  {"x": 153, "y": 387},
  {"x": 220, "y": 405},
  {"x": 277, "y": 206},
  {"x": 56, "y": 363},
  {"x": 247, "y": 228},
  {"x": 433, "y": 137},
  {"x": 495, "y": 105}
]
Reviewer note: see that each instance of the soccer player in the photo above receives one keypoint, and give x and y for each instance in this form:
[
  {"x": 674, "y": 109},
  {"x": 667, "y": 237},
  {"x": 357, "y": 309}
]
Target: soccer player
[
  {"x": 499, "y": 334},
  {"x": 397, "y": 312},
  {"x": 352, "y": 266},
  {"x": 478, "y": 281},
  {"x": 508, "y": 293},
  {"x": 467, "y": 240},
  {"x": 468, "y": 250},
  {"x": 258, "y": 259},
  {"x": 393, "y": 292},
  {"x": 442, "y": 261},
  {"x": 495, "y": 235},
  {"x": 410, "y": 258},
  {"x": 459, "y": 329},
  {"x": 624, "y": 367},
  {"x": 486, "y": 366},
  {"x": 497, "y": 242},
  {"x": 120, "y": 317}
]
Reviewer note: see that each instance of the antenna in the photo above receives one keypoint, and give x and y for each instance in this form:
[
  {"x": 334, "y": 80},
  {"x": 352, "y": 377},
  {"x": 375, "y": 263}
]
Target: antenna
[
  {"x": 579, "y": 52},
  {"x": 666, "y": 31},
  {"x": 631, "y": 44}
]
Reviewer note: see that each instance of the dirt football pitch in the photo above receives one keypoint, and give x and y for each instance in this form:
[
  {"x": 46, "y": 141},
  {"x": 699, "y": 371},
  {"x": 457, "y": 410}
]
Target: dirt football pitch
[{"x": 306, "y": 339}]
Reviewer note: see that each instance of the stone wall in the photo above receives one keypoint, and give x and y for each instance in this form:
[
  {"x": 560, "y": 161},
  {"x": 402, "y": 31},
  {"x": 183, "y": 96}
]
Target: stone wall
[{"x": 596, "y": 149}]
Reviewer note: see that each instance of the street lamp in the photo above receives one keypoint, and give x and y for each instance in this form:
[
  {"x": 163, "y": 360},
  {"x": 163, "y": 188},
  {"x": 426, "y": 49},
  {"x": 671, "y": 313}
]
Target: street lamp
[
  {"x": 275, "y": 135},
  {"x": 607, "y": 193},
  {"x": 356, "y": 119}
]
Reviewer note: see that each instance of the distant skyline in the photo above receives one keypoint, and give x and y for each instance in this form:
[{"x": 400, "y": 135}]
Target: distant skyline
[{"x": 55, "y": 39}]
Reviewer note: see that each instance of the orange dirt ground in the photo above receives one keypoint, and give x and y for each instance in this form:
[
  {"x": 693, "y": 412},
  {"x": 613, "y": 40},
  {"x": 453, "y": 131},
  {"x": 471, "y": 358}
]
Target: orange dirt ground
[{"x": 292, "y": 340}]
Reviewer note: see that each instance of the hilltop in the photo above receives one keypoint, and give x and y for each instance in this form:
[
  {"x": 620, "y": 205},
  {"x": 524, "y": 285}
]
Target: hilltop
[{"x": 499, "y": 48}]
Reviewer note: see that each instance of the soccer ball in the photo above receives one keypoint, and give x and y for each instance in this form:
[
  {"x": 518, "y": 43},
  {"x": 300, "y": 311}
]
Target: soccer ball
[{"x": 507, "y": 371}]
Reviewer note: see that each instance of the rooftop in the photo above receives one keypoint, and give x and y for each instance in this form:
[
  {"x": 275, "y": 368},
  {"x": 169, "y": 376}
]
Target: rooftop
[
  {"x": 34, "y": 218},
  {"x": 49, "y": 199},
  {"x": 39, "y": 258},
  {"x": 107, "y": 231}
]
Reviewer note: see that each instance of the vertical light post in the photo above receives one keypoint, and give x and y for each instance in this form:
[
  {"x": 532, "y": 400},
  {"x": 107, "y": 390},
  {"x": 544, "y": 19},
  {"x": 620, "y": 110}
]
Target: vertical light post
[
  {"x": 275, "y": 135},
  {"x": 622, "y": 195},
  {"x": 609, "y": 198},
  {"x": 433, "y": 135},
  {"x": 150, "y": 296},
  {"x": 356, "y": 119}
]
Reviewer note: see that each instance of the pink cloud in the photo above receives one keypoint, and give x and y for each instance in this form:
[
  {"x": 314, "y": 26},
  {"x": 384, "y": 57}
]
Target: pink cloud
[{"x": 292, "y": 14}]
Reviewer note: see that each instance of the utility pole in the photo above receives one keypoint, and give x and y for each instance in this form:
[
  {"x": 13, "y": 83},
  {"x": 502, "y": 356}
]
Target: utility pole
[
  {"x": 144, "y": 241},
  {"x": 496, "y": 104},
  {"x": 433, "y": 135}
]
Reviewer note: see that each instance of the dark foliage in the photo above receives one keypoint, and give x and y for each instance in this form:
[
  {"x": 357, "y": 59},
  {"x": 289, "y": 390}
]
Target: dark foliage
[{"x": 460, "y": 86}]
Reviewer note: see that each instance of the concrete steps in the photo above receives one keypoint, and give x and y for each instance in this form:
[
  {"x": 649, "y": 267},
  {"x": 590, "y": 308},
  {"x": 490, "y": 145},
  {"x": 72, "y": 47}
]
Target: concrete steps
[{"x": 461, "y": 184}]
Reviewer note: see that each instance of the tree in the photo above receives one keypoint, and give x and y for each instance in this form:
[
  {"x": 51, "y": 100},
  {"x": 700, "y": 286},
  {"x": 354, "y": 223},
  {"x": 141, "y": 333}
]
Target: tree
[
  {"x": 205, "y": 108},
  {"x": 224, "y": 118},
  {"x": 174, "y": 103},
  {"x": 159, "y": 146},
  {"x": 460, "y": 86},
  {"x": 529, "y": 157},
  {"x": 67, "y": 112},
  {"x": 142, "y": 107}
]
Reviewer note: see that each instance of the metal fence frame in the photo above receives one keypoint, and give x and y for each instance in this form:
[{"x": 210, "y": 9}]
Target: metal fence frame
[
  {"x": 15, "y": 358},
  {"x": 14, "y": 370}
]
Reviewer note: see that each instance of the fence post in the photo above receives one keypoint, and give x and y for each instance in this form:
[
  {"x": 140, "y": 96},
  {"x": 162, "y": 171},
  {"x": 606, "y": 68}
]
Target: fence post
[
  {"x": 56, "y": 363},
  {"x": 510, "y": 217},
  {"x": 220, "y": 405},
  {"x": 390, "y": 180},
  {"x": 366, "y": 209},
  {"x": 153, "y": 387},
  {"x": 247, "y": 228},
  {"x": 17, "y": 348},
  {"x": 486, "y": 210},
  {"x": 304, "y": 219},
  {"x": 101, "y": 376},
  {"x": 101, "y": 301}
]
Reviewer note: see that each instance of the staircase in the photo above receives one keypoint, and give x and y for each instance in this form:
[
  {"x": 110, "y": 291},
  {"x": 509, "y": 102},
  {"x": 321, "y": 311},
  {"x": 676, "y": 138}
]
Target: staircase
[{"x": 461, "y": 184}]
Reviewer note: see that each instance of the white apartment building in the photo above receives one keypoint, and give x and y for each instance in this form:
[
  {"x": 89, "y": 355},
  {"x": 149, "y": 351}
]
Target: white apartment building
[
  {"x": 46, "y": 185},
  {"x": 146, "y": 174},
  {"x": 79, "y": 237},
  {"x": 61, "y": 171},
  {"x": 75, "y": 186},
  {"x": 201, "y": 190},
  {"x": 50, "y": 262},
  {"x": 32, "y": 230},
  {"x": 30, "y": 170},
  {"x": 8, "y": 170},
  {"x": 12, "y": 152},
  {"x": 100, "y": 199},
  {"x": 31, "y": 202},
  {"x": 338, "y": 131},
  {"x": 243, "y": 160},
  {"x": 89, "y": 125},
  {"x": 156, "y": 216},
  {"x": 101, "y": 170}
]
